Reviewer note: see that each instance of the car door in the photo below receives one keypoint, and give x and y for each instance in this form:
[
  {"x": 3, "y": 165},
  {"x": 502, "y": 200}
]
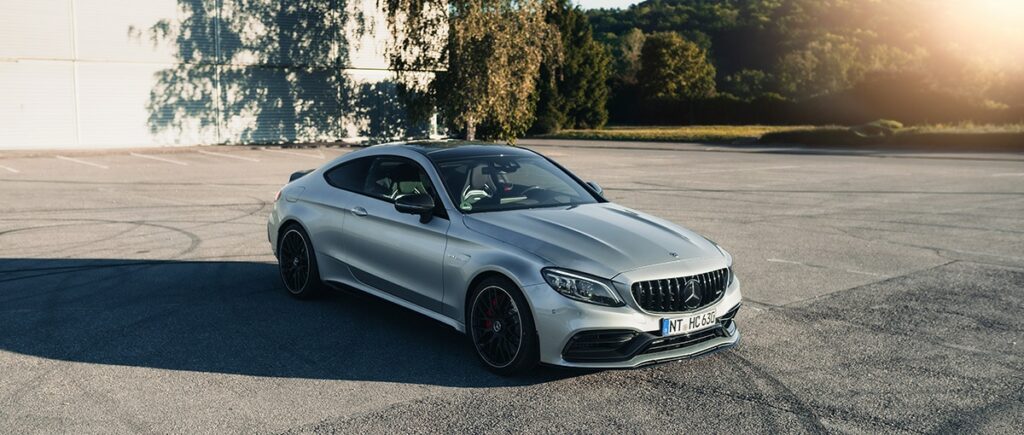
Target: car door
[
  {"x": 334, "y": 202},
  {"x": 391, "y": 251}
]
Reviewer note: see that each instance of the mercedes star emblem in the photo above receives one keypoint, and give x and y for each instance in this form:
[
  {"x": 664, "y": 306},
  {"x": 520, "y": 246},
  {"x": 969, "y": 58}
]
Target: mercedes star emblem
[{"x": 691, "y": 293}]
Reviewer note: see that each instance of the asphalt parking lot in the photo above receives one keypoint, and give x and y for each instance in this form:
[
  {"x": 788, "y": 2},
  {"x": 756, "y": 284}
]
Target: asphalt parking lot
[{"x": 883, "y": 293}]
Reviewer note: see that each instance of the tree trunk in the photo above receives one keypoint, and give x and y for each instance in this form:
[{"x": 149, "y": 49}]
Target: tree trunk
[{"x": 470, "y": 130}]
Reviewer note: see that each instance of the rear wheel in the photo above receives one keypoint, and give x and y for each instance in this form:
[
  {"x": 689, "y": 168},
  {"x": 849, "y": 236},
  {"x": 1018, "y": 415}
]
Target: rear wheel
[
  {"x": 297, "y": 263},
  {"x": 501, "y": 327}
]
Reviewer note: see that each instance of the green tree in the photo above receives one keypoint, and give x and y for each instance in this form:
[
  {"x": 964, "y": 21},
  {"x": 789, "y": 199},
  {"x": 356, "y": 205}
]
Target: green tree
[
  {"x": 549, "y": 114},
  {"x": 629, "y": 47},
  {"x": 748, "y": 84},
  {"x": 573, "y": 92},
  {"x": 584, "y": 83},
  {"x": 824, "y": 66},
  {"x": 487, "y": 59},
  {"x": 673, "y": 68}
]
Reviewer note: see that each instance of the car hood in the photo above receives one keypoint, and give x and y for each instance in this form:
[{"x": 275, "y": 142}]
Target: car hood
[{"x": 600, "y": 239}]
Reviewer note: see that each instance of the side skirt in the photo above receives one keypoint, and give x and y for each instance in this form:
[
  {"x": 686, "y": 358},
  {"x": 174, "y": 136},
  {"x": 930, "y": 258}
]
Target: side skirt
[{"x": 458, "y": 326}]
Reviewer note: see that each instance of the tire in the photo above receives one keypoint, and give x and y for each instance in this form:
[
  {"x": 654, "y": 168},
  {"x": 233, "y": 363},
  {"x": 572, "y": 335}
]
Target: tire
[
  {"x": 296, "y": 262},
  {"x": 501, "y": 328}
]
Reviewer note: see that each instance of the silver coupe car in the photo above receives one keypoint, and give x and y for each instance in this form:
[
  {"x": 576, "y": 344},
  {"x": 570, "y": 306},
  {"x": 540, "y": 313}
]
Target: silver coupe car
[{"x": 510, "y": 248}]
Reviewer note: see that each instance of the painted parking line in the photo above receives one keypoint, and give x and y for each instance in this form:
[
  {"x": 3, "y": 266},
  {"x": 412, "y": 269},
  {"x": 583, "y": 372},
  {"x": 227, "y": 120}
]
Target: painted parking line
[
  {"x": 1009, "y": 174},
  {"x": 762, "y": 168},
  {"x": 83, "y": 162},
  {"x": 294, "y": 153},
  {"x": 9, "y": 169},
  {"x": 211, "y": 153},
  {"x": 247, "y": 188},
  {"x": 159, "y": 159}
]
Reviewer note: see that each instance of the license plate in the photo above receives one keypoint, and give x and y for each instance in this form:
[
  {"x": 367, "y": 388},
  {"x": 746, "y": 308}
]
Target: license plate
[{"x": 685, "y": 325}]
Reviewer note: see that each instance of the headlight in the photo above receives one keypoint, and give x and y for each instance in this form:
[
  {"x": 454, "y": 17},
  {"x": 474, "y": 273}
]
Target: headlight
[{"x": 575, "y": 285}]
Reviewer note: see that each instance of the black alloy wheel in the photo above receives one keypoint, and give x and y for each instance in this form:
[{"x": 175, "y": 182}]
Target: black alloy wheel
[
  {"x": 502, "y": 329},
  {"x": 297, "y": 263}
]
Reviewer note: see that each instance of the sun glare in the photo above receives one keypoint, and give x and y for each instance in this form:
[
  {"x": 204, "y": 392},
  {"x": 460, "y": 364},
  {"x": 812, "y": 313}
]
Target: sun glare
[{"x": 989, "y": 30}]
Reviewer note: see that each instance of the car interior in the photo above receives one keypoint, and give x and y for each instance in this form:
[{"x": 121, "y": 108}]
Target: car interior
[
  {"x": 504, "y": 183},
  {"x": 390, "y": 179}
]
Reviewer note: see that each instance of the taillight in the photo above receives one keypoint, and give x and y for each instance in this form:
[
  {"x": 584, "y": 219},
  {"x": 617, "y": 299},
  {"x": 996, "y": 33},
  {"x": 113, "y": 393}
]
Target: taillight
[{"x": 278, "y": 196}]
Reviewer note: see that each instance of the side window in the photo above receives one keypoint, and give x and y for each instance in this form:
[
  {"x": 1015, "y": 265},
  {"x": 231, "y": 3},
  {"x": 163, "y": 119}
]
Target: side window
[
  {"x": 350, "y": 175},
  {"x": 391, "y": 177},
  {"x": 381, "y": 177}
]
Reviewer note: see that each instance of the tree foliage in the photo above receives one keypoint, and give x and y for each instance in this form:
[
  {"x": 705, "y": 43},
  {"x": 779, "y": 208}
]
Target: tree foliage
[
  {"x": 808, "y": 48},
  {"x": 672, "y": 68},
  {"x": 486, "y": 59},
  {"x": 572, "y": 93},
  {"x": 748, "y": 84},
  {"x": 628, "y": 50}
]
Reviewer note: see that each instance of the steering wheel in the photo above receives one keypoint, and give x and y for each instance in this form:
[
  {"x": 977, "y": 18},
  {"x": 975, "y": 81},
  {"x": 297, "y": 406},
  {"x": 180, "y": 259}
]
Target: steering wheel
[{"x": 471, "y": 196}]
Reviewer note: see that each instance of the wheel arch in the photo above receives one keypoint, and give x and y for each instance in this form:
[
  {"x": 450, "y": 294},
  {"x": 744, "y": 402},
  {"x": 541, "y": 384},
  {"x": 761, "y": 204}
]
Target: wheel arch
[
  {"x": 287, "y": 222},
  {"x": 481, "y": 276},
  {"x": 534, "y": 340}
]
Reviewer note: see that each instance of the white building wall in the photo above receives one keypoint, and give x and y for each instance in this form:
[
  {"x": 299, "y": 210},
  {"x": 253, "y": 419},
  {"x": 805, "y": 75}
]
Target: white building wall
[
  {"x": 39, "y": 29},
  {"x": 128, "y": 73},
  {"x": 37, "y": 104}
]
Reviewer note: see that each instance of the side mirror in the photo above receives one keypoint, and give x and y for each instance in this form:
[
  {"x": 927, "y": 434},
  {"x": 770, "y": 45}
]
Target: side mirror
[
  {"x": 597, "y": 188},
  {"x": 416, "y": 203}
]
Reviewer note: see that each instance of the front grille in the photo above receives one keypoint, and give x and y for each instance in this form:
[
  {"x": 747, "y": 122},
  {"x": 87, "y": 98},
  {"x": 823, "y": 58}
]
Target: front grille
[{"x": 679, "y": 294}]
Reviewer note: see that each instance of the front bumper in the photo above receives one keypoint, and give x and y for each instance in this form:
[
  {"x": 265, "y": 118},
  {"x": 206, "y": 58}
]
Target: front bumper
[{"x": 562, "y": 323}]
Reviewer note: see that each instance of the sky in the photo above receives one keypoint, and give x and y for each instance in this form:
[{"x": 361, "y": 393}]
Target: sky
[{"x": 594, "y": 4}]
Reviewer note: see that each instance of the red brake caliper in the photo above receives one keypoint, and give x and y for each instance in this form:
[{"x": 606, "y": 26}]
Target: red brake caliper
[{"x": 490, "y": 312}]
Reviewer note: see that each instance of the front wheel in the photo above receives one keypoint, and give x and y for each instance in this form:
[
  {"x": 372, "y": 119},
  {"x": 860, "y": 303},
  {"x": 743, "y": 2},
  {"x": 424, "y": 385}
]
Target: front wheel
[
  {"x": 501, "y": 327},
  {"x": 297, "y": 263}
]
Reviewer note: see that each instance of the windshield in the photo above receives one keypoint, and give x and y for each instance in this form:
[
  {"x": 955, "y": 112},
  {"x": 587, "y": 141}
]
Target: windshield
[{"x": 493, "y": 183}]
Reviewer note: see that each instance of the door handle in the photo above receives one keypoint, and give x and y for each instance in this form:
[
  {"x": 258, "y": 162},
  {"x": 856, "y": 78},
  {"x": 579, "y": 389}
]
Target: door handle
[{"x": 358, "y": 211}]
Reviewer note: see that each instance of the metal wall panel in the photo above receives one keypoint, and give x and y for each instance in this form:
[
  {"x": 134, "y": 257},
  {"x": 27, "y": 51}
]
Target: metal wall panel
[
  {"x": 183, "y": 104},
  {"x": 367, "y": 38},
  {"x": 283, "y": 33},
  {"x": 195, "y": 31},
  {"x": 37, "y": 29},
  {"x": 271, "y": 105},
  {"x": 37, "y": 104},
  {"x": 322, "y": 97},
  {"x": 129, "y": 30},
  {"x": 377, "y": 114},
  {"x": 117, "y": 106},
  {"x": 162, "y": 72}
]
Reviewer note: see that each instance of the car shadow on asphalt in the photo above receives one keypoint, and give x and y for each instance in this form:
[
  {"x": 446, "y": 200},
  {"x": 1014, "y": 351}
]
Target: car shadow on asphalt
[{"x": 227, "y": 317}]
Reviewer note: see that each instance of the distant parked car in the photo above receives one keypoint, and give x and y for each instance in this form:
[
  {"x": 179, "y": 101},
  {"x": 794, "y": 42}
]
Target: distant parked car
[{"x": 505, "y": 245}]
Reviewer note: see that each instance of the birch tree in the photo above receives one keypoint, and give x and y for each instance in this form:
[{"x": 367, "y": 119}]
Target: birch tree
[{"x": 485, "y": 55}]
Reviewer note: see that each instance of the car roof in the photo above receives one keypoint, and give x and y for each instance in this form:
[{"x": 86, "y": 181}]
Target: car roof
[{"x": 442, "y": 150}]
